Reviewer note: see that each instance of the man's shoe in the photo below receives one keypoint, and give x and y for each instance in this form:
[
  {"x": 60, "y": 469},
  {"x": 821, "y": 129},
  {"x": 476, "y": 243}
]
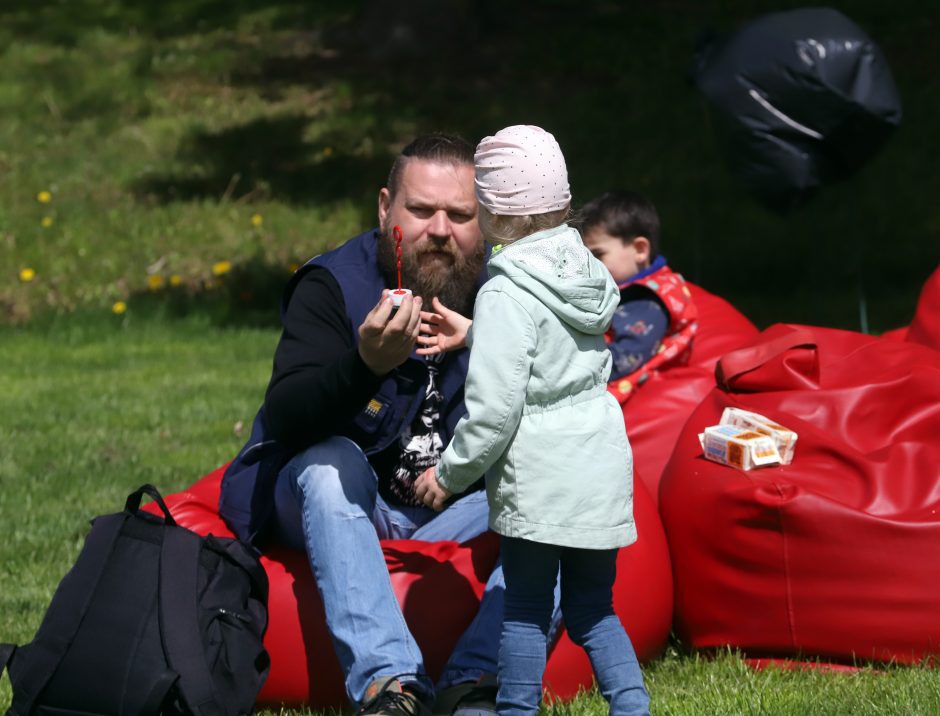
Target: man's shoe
[
  {"x": 473, "y": 698},
  {"x": 386, "y": 697}
]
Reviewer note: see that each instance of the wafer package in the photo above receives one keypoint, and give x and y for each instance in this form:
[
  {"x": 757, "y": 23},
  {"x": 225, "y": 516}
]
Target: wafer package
[
  {"x": 739, "y": 447},
  {"x": 784, "y": 438}
]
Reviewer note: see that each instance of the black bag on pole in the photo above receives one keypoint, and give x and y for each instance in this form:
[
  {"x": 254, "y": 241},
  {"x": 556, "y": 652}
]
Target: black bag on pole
[
  {"x": 151, "y": 619},
  {"x": 800, "y": 99}
]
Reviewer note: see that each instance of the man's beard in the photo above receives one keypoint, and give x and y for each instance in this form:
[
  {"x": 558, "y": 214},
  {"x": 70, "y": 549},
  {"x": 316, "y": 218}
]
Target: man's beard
[{"x": 453, "y": 284}]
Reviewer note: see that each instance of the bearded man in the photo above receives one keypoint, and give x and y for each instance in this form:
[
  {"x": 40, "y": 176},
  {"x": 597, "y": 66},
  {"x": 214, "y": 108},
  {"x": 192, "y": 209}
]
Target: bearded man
[{"x": 355, "y": 410}]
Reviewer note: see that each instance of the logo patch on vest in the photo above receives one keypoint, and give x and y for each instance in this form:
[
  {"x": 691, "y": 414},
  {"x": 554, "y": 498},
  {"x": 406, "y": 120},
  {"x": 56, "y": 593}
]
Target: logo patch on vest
[{"x": 372, "y": 415}]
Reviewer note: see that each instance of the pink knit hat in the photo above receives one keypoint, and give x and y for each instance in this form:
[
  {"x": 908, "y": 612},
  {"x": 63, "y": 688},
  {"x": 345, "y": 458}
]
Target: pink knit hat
[{"x": 521, "y": 170}]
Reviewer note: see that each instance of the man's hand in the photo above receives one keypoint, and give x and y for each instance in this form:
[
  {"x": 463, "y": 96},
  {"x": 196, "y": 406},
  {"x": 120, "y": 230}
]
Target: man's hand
[
  {"x": 385, "y": 344},
  {"x": 429, "y": 491},
  {"x": 442, "y": 330}
]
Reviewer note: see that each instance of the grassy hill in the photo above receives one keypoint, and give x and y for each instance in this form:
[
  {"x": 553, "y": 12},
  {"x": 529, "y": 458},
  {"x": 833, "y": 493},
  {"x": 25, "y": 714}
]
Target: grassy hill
[{"x": 191, "y": 152}]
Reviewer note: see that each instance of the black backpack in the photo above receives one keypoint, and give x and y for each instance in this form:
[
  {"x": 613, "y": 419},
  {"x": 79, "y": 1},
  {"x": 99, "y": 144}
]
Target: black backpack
[{"x": 151, "y": 619}]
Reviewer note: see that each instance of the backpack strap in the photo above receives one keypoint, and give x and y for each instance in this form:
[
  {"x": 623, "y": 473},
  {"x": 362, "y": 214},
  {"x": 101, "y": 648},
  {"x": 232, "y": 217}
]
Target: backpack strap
[
  {"x": 179, "y": 624},
  {"x": 6, "y": 654},
  {"x": 133, "y": 502},
  {"x": 156, "y": 699},
  {"x": 37, "y": 662}
]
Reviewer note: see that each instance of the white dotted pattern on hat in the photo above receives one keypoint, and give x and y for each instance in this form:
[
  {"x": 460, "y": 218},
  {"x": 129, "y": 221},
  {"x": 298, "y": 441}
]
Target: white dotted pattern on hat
[{"x": 520, "y": 170}]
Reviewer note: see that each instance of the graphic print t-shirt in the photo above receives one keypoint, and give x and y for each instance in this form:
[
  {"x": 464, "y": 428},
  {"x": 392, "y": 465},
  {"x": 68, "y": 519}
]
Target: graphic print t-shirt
[{"x": 419, "y": 447}]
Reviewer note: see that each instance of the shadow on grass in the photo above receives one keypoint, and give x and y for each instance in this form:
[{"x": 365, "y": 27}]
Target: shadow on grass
[
  {"x": 66, "y": 23},
  {"x": 608, "y": 79},
  {"x": 392, "y": 72},
  {"x": 380, "y": 72},
  {"x": 265, "y": 158},
  {"x": 247, "y": 296}
]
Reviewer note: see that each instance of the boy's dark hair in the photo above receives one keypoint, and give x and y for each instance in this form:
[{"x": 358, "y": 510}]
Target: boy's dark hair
[
  {"x": 436, "y": 147},
  {"x": 624, "y": 214}
]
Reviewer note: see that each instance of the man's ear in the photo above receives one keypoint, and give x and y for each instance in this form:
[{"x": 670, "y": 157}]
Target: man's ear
[
  {"x": 385, "y": 204},
  {"x": 641, "y": 245}
]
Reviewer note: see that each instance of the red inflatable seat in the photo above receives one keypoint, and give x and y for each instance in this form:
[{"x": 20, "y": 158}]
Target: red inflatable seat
[
  {"x": 721, "y": 328},
  {"x": 439, "y": 585},
  {"x": 658, "y": 409},
  {"x": 925, "y": 328},
  {"x": 835, "y": 555}
]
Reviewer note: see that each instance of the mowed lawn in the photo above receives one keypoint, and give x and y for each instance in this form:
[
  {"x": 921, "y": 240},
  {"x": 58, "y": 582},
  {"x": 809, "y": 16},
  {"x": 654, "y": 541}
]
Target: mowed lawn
[
  {"x": 93, "y": 410},
  {"x": 164, "y": 166}
]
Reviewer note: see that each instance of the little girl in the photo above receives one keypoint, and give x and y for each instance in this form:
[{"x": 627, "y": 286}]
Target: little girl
[{"x": 541, "y": 425}]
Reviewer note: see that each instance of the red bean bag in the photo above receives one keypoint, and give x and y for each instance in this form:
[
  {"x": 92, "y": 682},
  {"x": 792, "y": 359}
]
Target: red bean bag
[
  {"x": 835, "y": 555},
  {"x": 721, "y": 328},
  {"x": 925, "y": 328},
  {"x": 439, "y": 585},
  {"x": 658, "y": 409}
]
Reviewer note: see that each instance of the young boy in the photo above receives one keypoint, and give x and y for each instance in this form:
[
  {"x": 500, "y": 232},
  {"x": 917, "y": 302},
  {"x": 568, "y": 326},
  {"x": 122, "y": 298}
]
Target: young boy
[{"x": 655, "y": 322}]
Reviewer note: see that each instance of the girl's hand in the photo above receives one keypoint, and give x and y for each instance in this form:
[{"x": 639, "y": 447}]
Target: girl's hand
[
  {"x": 441, "y": 330},
  {"x": 429, "y": 491}
]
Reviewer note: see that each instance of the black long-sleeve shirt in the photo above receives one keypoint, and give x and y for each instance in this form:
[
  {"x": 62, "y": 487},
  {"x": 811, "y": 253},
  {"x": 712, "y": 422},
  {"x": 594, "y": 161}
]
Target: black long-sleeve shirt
[
  {"x": 319, "y": 380},
  {"x": 320, "y": 383}
]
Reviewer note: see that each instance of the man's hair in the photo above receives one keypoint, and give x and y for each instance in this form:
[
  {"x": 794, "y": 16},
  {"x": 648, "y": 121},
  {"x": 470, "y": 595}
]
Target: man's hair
[
  {"x": 624, "y": 214},
  {"x": 504, "y": 229},
  {"x": 436, "y": 147}
]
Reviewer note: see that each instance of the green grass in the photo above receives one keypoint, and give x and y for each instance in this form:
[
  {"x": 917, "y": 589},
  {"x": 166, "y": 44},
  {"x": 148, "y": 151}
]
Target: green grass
[
  {"x": 94, "y": 410},
  {"x": 98, "y": 404},
  {"x": 161, "y": 134},
  {"x": 195, "y": 150},
  {"x": 726, "y": 685}
]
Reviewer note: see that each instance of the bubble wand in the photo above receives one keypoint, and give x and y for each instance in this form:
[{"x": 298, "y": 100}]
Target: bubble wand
[
  {"x": 396, "y": 232},
  {"x": 399, "y": 293}
]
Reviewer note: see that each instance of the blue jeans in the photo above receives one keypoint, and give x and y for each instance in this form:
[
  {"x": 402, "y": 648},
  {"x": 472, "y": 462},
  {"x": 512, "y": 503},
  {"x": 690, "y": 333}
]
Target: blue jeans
[
  {"x": 327, "y": 503},
  {"x": 587, "y": 579}
]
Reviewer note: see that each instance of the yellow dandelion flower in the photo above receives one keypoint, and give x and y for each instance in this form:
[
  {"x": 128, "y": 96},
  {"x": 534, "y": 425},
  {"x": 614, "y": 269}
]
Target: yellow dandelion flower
[
  {"x": 27, "y": 275},
  {"x": 257, "y": 220},
  {"x": 176, "y": 280},
  {"x": 44, "y": 197},
  {"x": 46, "y": 222},
  {"x": 119, "y": 307},
  {"x": 327, "y": 151},
  {"x": 293, "y": 266},
  {"x": 155, "y": 282},
  {"x": 220, "y": 268}
]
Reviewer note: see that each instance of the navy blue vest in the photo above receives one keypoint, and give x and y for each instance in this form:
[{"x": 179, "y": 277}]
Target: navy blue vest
[{"x": 247, "y": 499}]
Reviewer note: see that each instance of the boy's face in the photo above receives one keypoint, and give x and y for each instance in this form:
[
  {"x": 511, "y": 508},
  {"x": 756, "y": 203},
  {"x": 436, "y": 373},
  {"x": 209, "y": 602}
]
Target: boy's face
[{"x": 623, "y": 260}]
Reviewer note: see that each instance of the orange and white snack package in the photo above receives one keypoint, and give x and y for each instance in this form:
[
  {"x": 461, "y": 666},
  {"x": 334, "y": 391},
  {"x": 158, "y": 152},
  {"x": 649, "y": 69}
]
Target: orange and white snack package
[
  {"x": 784, "y": 438},
  {"x": 739, "y": 447}
]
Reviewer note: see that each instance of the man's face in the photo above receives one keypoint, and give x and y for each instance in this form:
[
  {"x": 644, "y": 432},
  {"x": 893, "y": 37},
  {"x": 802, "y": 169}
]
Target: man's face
[{"x": 442, "y": 248}]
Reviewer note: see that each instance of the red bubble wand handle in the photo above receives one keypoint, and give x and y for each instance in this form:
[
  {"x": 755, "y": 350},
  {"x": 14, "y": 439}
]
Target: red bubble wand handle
[
  {"x": 396, "y": 232},
  {"x": 399, "y": 293}
]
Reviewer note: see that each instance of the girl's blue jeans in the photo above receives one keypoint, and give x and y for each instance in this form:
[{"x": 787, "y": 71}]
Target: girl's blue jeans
[{"x": 530, "y": 570}]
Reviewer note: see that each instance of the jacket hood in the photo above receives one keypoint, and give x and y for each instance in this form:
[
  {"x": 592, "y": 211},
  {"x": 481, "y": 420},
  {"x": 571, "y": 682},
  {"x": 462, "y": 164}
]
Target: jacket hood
[{"x": 556, "y": 267}]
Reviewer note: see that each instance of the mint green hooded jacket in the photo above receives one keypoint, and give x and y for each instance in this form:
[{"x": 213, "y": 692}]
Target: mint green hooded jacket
[{"x": 540, "y": 423}]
